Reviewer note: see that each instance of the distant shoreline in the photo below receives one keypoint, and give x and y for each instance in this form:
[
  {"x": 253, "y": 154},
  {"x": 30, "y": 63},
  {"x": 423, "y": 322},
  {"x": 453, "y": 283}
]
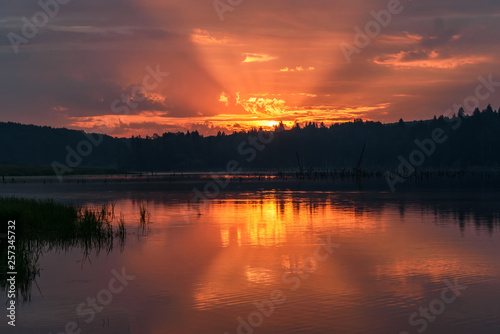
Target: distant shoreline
[
  {"x": 191, "y": 182},
  {"x": 26, "y": 170},
  {"x": 276, "y": 174}
]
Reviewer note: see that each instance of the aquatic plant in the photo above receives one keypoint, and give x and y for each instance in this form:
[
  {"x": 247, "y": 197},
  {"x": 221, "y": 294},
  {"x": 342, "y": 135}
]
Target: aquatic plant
[
  {"x": 45, "y": 225},
  {"x": 144, "y": 217}
]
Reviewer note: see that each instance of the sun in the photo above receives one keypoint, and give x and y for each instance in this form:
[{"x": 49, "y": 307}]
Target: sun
[{"x": 268, "y": 124}]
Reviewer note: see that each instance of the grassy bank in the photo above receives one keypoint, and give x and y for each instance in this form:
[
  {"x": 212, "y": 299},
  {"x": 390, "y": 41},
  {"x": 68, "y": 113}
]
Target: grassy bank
[
  {"x": 42, "y": 225},
  {"x": 48, "y": 220}
]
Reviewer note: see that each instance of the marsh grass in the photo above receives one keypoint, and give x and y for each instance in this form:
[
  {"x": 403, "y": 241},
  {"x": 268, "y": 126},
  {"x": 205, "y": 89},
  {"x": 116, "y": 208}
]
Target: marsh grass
[
  {"x": 121, "y": 231},
  {"x": 44, "y": 225},
  {"x": 144, "y": 217}
]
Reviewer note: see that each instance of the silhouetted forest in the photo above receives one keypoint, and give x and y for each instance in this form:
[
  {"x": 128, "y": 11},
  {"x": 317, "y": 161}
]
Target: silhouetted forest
[{"x": 472, "y": 141}]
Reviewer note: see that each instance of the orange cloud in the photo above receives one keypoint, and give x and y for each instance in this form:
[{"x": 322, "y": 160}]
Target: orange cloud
[
  {"x": 427, "y": 59},
  {"x": 200, "y": 36},
  {"x": 264, "y": 106},
  {"x": 405, "y": 38},
  {"x": 296, "y": 69},
  {"x": 253, "y": 57},
  {"x": 262, "y": 112},
  {"x": 223, "y": 98}
]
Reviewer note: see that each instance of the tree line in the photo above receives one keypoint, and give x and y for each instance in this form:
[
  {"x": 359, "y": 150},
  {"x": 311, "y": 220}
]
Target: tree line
[{"x": 365, "y": 144}]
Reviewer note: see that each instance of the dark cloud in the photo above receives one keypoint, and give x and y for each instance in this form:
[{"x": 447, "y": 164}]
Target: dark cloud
[
  {"x": 439, "y": 35},
  {"x": 94, "y": 52}
]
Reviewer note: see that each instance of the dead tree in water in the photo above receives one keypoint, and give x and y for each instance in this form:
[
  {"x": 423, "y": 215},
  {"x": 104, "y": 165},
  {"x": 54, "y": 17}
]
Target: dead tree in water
[
  {"x": 357, "y": 170},
  {"x": 301, "y": 169},
  {"x": 361, "y": 156}
]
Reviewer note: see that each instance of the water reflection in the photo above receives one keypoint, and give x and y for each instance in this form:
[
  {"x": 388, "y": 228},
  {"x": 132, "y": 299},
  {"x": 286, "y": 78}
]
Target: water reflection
[
  {"x": 202, "y": 267},
  {"x": 91, "y": 231},
  {"x": 224, "y": 256},
  {"x": 266, "y": 220}
]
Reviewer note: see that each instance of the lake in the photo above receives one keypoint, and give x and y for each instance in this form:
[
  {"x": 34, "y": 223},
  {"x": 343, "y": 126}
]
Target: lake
[{"x": 263, "y": 259}]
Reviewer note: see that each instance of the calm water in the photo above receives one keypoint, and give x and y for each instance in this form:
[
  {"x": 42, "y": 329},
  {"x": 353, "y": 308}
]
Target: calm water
[{"x": 208, "y": 268}]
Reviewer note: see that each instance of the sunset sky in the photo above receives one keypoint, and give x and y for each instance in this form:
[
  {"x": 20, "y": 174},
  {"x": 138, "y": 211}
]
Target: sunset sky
[{"x": 251, "y": 64}]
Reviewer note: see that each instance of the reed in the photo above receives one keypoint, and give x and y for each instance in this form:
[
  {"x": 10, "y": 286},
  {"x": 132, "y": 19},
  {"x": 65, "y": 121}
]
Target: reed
[
  {"x": 44, "y": 225},
  {"x": 144, "y": 217}
]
